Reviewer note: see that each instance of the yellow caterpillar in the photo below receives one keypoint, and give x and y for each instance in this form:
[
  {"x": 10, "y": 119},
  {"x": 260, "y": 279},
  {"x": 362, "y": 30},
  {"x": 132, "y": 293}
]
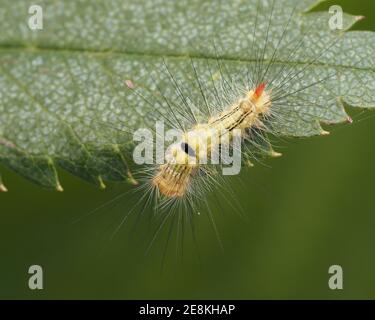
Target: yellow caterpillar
[{"x": 183, "y": 159}]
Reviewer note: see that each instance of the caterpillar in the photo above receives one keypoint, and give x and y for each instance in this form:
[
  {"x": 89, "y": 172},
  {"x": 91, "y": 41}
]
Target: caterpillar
[
  {"x": 249, "y": 103},
  {"x": 173, "y": 179}
]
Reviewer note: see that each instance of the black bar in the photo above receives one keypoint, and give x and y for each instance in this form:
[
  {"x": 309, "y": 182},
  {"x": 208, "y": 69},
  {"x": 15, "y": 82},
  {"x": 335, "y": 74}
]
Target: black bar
[{"x": 188, "y": 309}]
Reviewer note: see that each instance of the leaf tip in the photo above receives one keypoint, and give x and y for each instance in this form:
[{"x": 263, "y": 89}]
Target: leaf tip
[
  {"x": 3, "y": 188},
  {"x": 249, "y": 164},
  {"x": 349, "y": 120},
  {"x": 275, "y": 154},
  {"x": 131, "y": 179},
  {"x": 359, "y": 18},
  {"x": 59, "y": 188},
  {"x": 102, "y": 185},
  {"x": 325, "y": 133}
]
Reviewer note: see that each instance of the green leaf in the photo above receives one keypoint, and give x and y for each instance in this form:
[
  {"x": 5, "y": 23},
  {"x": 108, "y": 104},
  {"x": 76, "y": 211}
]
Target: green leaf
[{"x": 55, "y": 81}]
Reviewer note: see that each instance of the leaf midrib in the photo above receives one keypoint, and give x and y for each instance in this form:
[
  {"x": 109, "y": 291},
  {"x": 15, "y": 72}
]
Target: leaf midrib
[{"x": 160, "y": 55}]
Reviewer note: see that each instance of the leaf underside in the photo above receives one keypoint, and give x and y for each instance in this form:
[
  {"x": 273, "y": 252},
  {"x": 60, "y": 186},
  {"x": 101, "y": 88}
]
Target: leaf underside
[{"x": 60, "y": 85}]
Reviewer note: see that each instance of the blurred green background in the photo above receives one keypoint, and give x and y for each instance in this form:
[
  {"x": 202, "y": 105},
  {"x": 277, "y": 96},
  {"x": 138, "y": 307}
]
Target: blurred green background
[{"x": 310, "y": 209}]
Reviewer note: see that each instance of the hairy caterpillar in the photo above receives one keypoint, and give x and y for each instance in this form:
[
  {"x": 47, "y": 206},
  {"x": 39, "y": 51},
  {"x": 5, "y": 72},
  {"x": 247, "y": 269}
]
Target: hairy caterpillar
[
  {"x": 258, "y": 98},
  {"x": 172, "y": 180}
]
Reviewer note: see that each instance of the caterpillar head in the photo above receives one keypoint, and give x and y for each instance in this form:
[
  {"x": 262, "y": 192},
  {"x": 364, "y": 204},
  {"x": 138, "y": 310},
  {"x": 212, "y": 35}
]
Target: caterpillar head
[{"x": 173, "y": 178}]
